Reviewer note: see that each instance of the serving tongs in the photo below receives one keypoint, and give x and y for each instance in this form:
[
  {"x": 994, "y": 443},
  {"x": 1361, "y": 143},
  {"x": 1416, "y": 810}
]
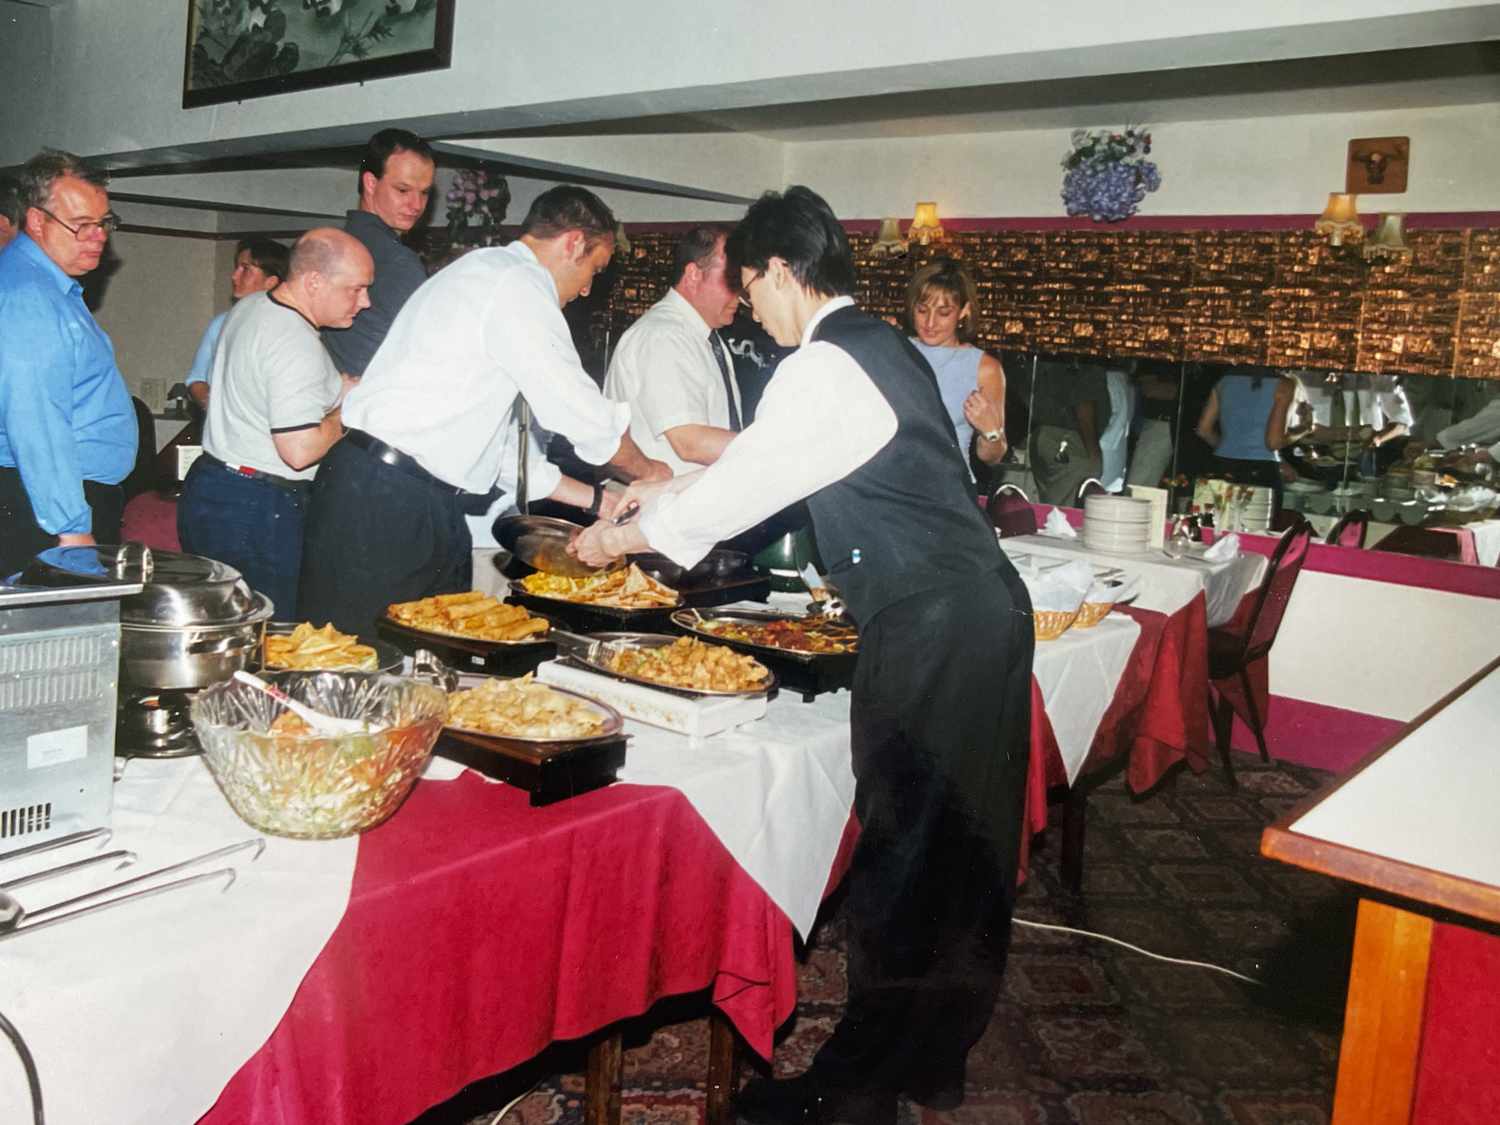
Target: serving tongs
[{"x": 15, "y": 919}]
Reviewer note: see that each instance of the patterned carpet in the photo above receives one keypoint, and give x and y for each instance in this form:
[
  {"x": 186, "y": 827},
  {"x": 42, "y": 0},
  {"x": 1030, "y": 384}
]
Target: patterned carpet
[{"x": 1086, "y": 1033}]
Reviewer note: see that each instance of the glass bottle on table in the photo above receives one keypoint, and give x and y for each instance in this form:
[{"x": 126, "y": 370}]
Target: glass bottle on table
[{"x": 1180, "y": 540}]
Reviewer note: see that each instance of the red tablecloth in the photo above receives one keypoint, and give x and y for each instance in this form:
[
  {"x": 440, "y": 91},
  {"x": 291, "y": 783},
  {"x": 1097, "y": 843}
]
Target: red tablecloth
[
  {"x": 479, "y": 930},
  {"x": 1159, "y": 715}
]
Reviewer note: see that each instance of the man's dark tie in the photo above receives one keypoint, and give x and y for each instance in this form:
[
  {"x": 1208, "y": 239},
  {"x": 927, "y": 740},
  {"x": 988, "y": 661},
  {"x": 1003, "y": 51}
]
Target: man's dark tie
[{"x": 716, "y": 346}]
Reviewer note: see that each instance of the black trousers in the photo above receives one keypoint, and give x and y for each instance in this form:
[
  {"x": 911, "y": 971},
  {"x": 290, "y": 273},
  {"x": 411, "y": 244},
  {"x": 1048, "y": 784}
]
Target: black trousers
[
  {"x": 21, "y": 539},
  {"x": 375, "y": 536},
  {"x": 941, "y": 737}
]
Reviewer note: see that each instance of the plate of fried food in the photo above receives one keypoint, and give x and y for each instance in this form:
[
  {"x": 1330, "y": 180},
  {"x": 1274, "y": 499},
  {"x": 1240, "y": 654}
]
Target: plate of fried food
[
  {"x": 627, "y": 588},
  {"x": 801, "y": 638},
  {"x": 471, "y": 616},
  {"x": 528, "y": 711},
  {"x": 682, "y": 664},
  {"x": 306, "y": 648}
]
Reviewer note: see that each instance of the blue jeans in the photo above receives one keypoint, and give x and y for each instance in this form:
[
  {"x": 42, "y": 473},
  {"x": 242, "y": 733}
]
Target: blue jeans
[{"x": 252, "y": 525}]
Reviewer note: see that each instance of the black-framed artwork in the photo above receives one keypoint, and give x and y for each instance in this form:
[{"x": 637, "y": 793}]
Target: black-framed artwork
[{"x": 240, "y": 49}]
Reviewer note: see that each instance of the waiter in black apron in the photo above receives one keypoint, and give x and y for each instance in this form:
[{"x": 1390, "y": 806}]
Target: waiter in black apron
[{"x": 853, "y": 422}]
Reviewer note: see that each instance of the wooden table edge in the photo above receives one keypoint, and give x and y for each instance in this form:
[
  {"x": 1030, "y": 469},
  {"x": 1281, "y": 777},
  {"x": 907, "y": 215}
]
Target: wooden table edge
[{"x": 1422, "y": 884}]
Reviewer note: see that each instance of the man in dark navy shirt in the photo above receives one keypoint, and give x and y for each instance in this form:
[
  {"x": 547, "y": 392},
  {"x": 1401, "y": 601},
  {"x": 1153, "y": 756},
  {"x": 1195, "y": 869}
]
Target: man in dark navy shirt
[{"x": 395, "y": 182}]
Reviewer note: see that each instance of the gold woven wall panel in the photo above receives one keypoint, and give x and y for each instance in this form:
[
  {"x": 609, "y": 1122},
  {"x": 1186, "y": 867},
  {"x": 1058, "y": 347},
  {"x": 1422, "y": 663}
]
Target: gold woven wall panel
[{"x": 1284, "y": 298}]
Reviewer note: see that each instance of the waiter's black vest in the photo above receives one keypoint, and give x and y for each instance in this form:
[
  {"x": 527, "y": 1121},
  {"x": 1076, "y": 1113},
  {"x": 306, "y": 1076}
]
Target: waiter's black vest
[{"x": 910, "y": 511}]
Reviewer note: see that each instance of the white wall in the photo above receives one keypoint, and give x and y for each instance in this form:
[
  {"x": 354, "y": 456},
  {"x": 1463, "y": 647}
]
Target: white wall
[
  {"x": 1378, "y": 647},
  {"x": 112, "y": 82},
  {"x": 158, "y": 302},
  {"x": 1285, "y": 165}
]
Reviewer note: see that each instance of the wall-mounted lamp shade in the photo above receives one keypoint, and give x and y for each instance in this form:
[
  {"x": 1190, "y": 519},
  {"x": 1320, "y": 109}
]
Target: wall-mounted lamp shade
[
  {"x": 889, "y": 241},
  {"x": 925, "y": 226},
  {"x": 1388, "y": 241},
  {"x": 1339, "y": 222}
]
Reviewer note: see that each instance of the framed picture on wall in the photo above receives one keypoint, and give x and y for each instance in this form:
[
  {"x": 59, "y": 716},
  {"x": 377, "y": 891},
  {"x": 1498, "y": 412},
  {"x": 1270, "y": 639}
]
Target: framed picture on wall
[{"x": 239, "y": 49}]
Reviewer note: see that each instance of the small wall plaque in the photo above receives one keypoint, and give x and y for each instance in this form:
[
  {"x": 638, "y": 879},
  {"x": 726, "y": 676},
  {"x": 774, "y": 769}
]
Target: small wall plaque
[{"x": 1377, "y": 165}]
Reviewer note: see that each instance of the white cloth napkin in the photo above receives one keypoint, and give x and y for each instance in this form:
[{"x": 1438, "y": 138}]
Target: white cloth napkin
[
  {"x": 1223, "y": 549},
  {"x": 1057, "y": 526},
  {"x": 1061, "y": 588}
]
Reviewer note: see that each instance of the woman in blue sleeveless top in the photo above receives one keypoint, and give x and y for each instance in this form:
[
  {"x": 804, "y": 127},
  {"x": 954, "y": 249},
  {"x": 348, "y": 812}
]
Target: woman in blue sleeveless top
[
  {"x": 1245, "y": 422},
  {"x": 940, "y": 312}
]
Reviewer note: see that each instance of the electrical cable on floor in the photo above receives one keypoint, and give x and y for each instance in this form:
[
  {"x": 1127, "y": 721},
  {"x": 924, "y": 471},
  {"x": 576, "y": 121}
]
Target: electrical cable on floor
[
  {"x": 1138, "y": 949},
  {"x": 33, "y": 1081},
  {"x": 515, "y": 1101}
]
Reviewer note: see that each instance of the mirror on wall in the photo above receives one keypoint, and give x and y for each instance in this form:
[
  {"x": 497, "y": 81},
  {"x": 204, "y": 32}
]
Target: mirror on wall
[{"x": 1408, "y": 451}]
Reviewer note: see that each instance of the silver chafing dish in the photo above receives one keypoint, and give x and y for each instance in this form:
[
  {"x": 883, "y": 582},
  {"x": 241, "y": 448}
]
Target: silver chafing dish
[{"x": 194, "y": 623}]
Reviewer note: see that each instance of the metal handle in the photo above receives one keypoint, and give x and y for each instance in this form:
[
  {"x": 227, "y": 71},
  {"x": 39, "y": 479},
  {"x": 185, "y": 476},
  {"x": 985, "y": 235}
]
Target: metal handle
[
  {"x": 101, "y": 834},
  {"x": 426, "y": 665},
  {"x": 225, "y": 644},
  {"x": 122, "y": 559},
  {"x": 256, "y": 842},
  {"x": 226, "y": 873},
  {"x": 125, "y": 857}
]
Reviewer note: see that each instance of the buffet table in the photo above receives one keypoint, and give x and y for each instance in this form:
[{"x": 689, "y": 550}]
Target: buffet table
[
  {"x": 1415, "y": 825},
  {"x": 471, "y": 930},
  {"x": 453, "y": 942}
]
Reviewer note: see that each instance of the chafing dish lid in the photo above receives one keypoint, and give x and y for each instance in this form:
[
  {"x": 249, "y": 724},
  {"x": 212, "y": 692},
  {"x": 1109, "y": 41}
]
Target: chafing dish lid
[{"x": 178, "y": 589}]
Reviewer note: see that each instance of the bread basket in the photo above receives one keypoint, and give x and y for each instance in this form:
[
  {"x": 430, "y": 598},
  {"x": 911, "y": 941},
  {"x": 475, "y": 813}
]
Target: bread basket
[{"x": 1052, "y": 623}]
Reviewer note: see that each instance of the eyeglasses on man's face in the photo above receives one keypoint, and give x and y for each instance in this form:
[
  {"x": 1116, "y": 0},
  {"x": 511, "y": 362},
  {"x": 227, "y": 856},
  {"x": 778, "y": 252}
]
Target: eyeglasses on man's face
[
  {"x": 89, "y": 227},
  {"x": 744, "y": 297}
]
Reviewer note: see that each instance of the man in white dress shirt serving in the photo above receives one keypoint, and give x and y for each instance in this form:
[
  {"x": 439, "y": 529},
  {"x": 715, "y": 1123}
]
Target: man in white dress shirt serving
[
  {"x": 853, "y": 421},
  {"x": 428, "y": 421},
  {"x": 672, "y": 367}
]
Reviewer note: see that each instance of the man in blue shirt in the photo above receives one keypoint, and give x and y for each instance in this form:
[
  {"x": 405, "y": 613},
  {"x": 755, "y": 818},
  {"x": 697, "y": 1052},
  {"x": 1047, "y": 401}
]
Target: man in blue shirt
[
  {"x": 10, "y": 211},
  {"x": 259, "y": 265},
  {"x": 67, "y": 427}
]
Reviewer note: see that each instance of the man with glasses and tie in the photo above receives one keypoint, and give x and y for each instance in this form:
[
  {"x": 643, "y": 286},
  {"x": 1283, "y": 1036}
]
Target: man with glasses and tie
[
  {"x": 68, "y": 429},
  {"x": 672, "y": 367}
]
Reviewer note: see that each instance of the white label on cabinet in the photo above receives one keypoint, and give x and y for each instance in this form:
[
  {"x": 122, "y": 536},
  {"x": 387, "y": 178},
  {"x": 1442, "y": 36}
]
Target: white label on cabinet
[{"x": 53, "y": 747}]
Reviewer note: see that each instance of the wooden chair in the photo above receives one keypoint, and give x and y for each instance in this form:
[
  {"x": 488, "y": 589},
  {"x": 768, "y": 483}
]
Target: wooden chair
[
  {"x": 1010, "y": 512},
  {"x": 1350, "y": 529},
  {"x": 1232, "y": 650}
]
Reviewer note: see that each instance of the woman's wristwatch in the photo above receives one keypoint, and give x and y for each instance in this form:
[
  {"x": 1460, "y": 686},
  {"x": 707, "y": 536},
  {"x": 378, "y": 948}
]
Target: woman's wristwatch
[{"x": 993, "y": 435}]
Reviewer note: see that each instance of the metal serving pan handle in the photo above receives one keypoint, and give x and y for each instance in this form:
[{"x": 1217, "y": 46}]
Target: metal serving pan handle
[{"x": 122, "y": 560}]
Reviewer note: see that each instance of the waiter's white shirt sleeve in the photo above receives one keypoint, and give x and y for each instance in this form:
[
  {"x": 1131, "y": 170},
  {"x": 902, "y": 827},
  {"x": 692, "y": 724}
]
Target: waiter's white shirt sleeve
[{"x": 820, "y": 419}]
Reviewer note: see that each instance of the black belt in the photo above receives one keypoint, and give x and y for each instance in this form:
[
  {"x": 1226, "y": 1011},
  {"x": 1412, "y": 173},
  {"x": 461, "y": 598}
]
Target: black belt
[
  {"x": 390, "y": 455},
  {"x": 287, "y": 484}
]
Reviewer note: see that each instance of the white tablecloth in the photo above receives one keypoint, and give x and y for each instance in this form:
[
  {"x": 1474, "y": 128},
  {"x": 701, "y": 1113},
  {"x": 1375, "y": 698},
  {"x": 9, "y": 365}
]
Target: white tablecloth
[
  {"x": 1166, "y": 585},
  {"x": 150, "y": 1008},
  {"x": 1078, "y": 674},
  {"x": 1486, "y": 541}
]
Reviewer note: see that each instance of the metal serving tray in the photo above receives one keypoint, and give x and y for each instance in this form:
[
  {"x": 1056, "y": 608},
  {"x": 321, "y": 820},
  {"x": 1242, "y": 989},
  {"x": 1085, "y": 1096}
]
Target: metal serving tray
[
  {"x": 595, "y": 657},
  {"x": 549, "y": 770}
]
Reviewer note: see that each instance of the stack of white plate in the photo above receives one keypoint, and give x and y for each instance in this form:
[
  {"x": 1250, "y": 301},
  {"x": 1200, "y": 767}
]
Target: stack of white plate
[
  {"x": 1117, "y": 525},
  {"x": 1256, "y": 514}
]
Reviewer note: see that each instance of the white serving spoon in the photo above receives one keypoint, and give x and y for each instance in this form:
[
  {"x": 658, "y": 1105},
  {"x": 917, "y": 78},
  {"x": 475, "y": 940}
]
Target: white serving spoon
[{"x": 323, "y": 724}]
